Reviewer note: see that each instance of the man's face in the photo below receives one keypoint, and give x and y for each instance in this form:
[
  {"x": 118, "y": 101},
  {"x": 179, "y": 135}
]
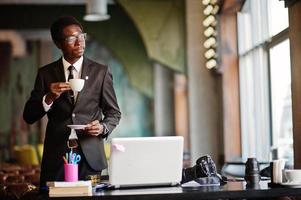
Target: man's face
[{"x": 73, "y": 43}]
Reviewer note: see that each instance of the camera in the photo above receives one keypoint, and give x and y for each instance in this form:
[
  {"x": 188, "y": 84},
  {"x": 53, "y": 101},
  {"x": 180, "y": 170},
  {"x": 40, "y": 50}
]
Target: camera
[{"x": 204, "y": 168}]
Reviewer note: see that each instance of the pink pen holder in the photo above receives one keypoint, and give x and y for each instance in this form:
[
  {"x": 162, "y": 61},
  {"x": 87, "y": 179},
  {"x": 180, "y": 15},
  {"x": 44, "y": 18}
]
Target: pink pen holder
[{"x": 71, "y": 172}]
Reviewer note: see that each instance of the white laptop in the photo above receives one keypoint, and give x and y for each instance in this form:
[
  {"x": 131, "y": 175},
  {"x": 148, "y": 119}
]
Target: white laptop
[{"x": 146, "y": 161}]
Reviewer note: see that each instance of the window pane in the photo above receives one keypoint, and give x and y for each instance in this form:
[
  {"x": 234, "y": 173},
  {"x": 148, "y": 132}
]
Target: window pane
[
  {"x": 280, "y": 71},
  {"x": 254, "y": 105},
  {"x": 244, "y": 32},
  {"x": 252, "y": 25},
  {"x": 278, "y": 16}
]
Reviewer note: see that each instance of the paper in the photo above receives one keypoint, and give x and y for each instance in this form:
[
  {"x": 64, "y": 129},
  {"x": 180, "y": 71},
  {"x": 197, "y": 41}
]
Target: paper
[
  {"x": 119, "y": 147},
  {"x": 196, "y": 184},
  {"x": 68, "y": 184}
]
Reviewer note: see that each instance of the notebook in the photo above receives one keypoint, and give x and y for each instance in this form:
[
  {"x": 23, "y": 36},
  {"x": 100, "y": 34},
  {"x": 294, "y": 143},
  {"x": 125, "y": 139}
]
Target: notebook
[{"x": 146, "y": 161}]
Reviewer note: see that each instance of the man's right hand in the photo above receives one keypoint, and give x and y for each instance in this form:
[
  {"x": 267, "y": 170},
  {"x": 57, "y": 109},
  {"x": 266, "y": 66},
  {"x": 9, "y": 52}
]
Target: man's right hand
[{"x": 55, "y": 91}]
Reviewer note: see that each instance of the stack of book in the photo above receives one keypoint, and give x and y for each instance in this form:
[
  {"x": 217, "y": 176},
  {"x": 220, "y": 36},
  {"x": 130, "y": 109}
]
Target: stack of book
[{"x": 64, "y": 189}]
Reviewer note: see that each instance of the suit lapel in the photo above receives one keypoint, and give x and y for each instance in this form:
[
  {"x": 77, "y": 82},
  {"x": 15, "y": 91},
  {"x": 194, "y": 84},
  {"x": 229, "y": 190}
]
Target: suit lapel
[{"x": 84, "y": 75}]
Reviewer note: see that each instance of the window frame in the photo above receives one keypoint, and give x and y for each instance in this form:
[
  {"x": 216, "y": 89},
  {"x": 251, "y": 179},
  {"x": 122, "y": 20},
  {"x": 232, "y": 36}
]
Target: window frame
[{"x": 250, "y": 51}]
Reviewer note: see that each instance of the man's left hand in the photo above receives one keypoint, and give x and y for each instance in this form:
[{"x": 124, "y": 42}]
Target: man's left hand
[{"x": 94, "y": 128}]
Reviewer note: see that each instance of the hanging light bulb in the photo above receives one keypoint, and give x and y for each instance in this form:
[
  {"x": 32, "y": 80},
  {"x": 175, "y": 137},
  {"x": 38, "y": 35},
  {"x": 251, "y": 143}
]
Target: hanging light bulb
[
  {"x": 215, "y": 9},
  {"x": 210, "y": 42},
  {"x": 205, "y": 2},
  {"x": 211, "y": 64},
  {"x": 209, "y": 32},
  {"x": 210, "y": 54},
  {"x": 210, "y": 20},
  {"x": 96, "y": 10},
  {"x": 208, "y": 10},
  {"x": 213, "y": 2}
]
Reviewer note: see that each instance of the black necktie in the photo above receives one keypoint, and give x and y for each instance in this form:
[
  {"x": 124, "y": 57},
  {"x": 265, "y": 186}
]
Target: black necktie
[{"x": 71, "y": 68}]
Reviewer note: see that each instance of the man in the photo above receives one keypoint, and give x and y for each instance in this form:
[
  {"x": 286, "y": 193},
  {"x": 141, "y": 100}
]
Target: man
[{"x": 95, "y": 106}]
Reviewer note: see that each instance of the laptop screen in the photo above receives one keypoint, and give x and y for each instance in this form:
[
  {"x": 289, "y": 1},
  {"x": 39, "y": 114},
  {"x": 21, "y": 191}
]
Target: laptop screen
[{"x": 146, "y": 161}]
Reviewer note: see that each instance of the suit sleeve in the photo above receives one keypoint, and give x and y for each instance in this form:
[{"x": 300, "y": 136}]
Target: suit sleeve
[
  {"x": 109, "y": 104},
  {"x": 34, "y": 110}
]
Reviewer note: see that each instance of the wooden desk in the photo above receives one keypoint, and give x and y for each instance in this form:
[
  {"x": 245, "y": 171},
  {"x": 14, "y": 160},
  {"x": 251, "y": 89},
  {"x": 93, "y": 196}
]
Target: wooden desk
[{"x": 232, "y": 190}]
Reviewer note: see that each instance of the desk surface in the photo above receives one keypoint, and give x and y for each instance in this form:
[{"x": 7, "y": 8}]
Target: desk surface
[{"x": 232, "y": 190}]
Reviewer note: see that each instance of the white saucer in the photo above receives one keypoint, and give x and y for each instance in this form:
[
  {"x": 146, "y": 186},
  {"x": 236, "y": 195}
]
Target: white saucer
[
  {"x": 292, "y": 184},
  {"x": 77, "y": 126}
]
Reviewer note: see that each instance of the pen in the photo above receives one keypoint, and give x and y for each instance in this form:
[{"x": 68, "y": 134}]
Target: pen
[
  {"x": 65, "y": 160},
  {"x": 70, "y": 156},
  {"x": 67, "y": 156}
]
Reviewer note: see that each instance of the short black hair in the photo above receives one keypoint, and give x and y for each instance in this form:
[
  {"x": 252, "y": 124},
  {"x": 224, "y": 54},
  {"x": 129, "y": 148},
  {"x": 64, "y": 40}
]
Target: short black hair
[{"x": 58, "y": 26}]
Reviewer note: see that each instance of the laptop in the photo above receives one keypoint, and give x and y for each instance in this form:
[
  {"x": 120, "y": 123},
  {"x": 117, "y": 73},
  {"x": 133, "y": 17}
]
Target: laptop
[{"x": 146, "y": 161}]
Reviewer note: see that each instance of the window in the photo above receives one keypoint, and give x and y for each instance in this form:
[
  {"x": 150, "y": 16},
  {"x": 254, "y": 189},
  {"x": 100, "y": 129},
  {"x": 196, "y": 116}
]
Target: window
[
  {"x": 265, "y": 98},
  {"x": 281, "y": 101},
  {"x": 278, "y": 17}
]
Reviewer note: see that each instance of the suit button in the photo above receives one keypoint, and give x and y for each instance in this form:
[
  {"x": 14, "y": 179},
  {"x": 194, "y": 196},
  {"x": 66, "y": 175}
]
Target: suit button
[{"x": 73, "y": 114}]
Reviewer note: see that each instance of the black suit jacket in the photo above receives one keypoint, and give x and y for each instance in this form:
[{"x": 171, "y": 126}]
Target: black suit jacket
[{"x": 96, "y": 101}]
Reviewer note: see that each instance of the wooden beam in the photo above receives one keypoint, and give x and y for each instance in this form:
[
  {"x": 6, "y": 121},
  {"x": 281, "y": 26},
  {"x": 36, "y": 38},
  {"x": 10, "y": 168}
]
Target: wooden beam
[
  {"x": 295, "y": 42},
  {"x": 231, "y": 6},
  {"x": 230, "y": 82}
]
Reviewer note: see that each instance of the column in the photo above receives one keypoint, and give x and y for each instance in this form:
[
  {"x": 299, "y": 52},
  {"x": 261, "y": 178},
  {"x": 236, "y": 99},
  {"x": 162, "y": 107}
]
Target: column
[
  {"x": 163, "y": 101},
  {"x": 295, "y": 41},
  {"x": 181, "y": 114},
  {"x": 203, "y": 88}
]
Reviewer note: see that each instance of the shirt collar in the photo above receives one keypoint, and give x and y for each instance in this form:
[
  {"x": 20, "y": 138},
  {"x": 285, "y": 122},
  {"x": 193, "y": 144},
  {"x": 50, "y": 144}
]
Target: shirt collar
[{"x": 77, "y": 65}]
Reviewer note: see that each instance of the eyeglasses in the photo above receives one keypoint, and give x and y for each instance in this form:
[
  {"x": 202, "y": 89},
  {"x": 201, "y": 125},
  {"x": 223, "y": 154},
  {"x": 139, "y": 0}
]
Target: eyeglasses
[
  {"x": 71, "y": 39},
  {"x": 72, "y": 144}
]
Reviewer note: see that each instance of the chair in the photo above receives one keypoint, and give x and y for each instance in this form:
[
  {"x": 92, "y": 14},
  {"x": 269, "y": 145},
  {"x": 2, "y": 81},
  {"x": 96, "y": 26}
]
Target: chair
[
  {"x": 107, "y": 150},
  {"x": 15, "y": 179},
  {"x": 237, "y": 169},
  {"x": 233, "y": 169},
  {"x": 3, "y": 178},
  {"x": 32, "y": 178},
  {"x": 40, "y": 151},
  {"x": 26, "y": 155}
]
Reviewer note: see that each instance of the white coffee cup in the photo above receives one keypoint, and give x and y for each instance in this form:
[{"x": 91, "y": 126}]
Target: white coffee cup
[
  {"x": 77, "y": 84},
  {"x": 293, "y": 175}
]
